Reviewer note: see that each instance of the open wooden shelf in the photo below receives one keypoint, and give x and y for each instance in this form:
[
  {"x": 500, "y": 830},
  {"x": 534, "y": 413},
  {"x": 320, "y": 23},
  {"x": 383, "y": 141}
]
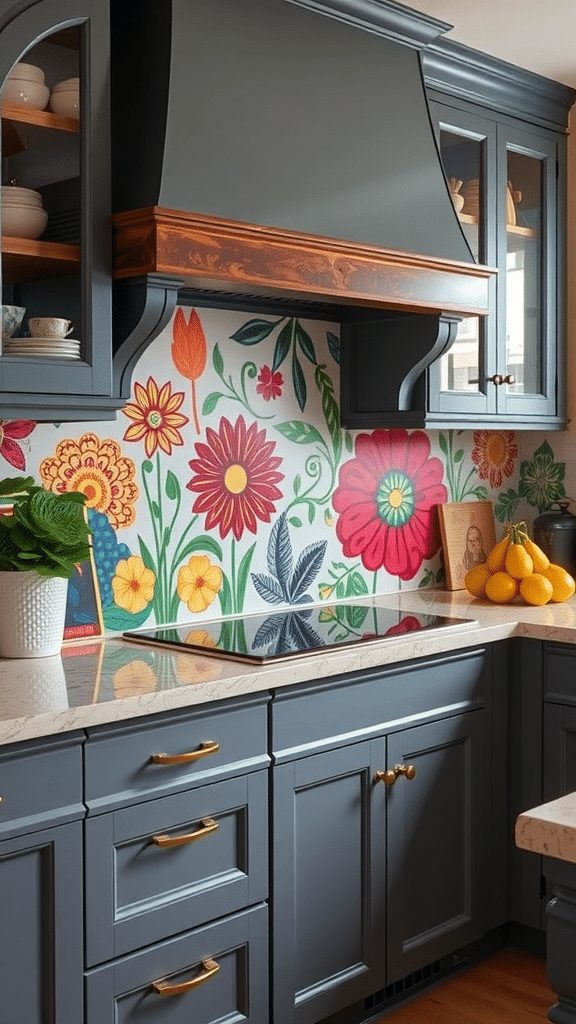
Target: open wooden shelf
[
  {"x": 42, "y": 118},
  {"x": 24, "y": 259}
]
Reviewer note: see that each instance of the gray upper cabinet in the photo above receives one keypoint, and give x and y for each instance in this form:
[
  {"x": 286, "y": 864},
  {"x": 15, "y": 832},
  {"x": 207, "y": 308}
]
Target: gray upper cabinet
[
  {"x": 65, "y": 271},
  {"x": 502, "y": 139},
  {"x": 505, "y": 186}
]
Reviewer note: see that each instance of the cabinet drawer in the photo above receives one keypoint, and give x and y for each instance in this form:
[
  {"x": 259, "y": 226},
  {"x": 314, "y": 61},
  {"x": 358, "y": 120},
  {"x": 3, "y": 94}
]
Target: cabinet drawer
[
  {"x": 120, "y": 765},
  {"x": 40, "y": 785},
  {"x": 560, "y": 673},
  {"x": 122, "y": 992},
  {"x": 138, "y": 892},
  {"x": 309, "y": 719}
]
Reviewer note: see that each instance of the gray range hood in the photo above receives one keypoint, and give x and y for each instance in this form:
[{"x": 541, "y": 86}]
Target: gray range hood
[{"x": 282, "y": 151}]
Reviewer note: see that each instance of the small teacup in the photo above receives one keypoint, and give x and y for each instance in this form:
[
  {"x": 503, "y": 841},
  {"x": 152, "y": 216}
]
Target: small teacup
[{"x": 50, "y": 327}]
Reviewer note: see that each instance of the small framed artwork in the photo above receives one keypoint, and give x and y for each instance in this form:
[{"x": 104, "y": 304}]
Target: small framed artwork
[
  {"x": 83, "y": 606},
  {"x": 468, "y": 536}
]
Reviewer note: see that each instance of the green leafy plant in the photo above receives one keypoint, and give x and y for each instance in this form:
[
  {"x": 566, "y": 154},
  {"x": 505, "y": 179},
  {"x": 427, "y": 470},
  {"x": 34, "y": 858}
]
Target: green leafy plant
[{"x": 40, "y": 531}]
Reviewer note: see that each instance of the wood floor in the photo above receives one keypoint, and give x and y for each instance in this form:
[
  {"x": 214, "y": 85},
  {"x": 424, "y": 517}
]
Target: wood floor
[{"x": 508, "y": 988}]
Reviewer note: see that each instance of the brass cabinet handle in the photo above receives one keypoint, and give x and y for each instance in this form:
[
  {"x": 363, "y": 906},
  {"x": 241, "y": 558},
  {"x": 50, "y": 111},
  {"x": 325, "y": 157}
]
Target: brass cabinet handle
[
  {"x": 164, "y": 988},
  {"x": 389, "y": 776},
  {"x": 208, "y": 826},
  {"x": 207, "y": 747}
]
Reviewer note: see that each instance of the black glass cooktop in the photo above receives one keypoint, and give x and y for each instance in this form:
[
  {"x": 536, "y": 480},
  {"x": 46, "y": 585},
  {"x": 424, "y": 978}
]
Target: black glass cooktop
[{"x": 294, "y": 633}]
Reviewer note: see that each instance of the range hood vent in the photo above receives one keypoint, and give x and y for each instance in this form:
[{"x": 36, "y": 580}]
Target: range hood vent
[{"x": 283, "y": 148}]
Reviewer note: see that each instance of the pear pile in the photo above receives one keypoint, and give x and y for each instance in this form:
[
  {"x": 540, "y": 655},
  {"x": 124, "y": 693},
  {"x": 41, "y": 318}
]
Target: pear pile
[{"x": 516, "y": 566}]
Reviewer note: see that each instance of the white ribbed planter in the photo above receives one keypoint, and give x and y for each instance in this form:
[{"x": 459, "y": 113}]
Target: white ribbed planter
[{"x": 32, "y": 613}]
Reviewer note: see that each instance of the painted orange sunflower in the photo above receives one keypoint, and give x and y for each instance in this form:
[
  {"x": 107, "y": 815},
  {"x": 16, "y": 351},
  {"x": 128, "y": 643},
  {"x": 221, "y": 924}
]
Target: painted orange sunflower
[
  {"x": 198, "y": 583},
  {"x": 494, "y": 453},
  {"x": 133, "y": 584},
  {"x": 235, "y": 477},
  {"x": 97, "y": 469},
  {"x": 155, "y": 417}
]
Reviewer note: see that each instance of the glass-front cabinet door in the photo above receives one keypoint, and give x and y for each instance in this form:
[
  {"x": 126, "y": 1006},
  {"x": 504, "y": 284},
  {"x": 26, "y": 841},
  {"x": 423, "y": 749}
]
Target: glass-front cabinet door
[
  {"x": 527, "y": 288},
  {"x": 459, "y": 380},
  {"x": 55, "y": 359},
  {"x": 503, "y": 183}
]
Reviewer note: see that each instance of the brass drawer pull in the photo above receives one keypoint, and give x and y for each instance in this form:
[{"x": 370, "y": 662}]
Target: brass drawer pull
[
  {"x": 208, "y": 826},
  {"x": 389, "y": 776},
  {"x": 208, "y": 747},
  {"x": 164, "y": 988}
]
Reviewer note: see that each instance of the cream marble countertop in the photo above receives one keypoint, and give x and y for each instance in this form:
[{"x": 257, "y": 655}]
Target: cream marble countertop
[
  {"x": 549, "y": 829},
  {"x": 110, "y": 680}
]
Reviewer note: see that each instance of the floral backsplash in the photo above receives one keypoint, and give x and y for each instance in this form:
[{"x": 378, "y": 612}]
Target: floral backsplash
[{"x": 226, "y": 483}]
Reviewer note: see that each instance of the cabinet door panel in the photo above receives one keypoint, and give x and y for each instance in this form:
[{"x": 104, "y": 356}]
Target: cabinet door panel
[
  {"x": 434, "y": 833},
  {"x": 328, "y": 882},
  {"x": 559, "y": 751},
  {"x": 41, "y": 915}
]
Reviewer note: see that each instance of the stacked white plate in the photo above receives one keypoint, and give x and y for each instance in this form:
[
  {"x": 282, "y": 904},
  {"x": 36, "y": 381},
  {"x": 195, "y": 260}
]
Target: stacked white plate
[
  {"x": 59, "y": 348},
  {"x": 23, "y": 215}
]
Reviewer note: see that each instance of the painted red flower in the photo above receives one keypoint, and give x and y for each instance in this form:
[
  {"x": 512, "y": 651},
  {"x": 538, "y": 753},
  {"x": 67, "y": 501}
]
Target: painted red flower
[
  {"x": 10, "y": 432},
  {"x": 236, "y": 477},
  {"x": 270, "y": 383},
  {"x": 385, "y": 499},
  {"x": 494, "y": 453}
]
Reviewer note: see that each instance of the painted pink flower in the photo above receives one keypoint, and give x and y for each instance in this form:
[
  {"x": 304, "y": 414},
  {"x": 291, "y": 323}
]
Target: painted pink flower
[
  {"x": 270, "y": 383},
  {"x": 494, "y": 453},
  {"x": 386, "y": 498},
  {"x": 235, "y": 477},
  {"x": 10, "y": 432}
]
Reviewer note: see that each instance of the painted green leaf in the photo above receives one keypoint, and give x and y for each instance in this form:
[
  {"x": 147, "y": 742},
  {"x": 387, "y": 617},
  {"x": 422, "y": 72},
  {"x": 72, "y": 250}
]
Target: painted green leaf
[
  {"x": 147, "y": 466},
  {"x": 173, "y": 489},
  {"x": 118, "y": 619},
  {"x": 333, "y": 346},
  {"x": 330, "y": 409},
  {"x": 218, "y": 361},
  {"x": 243, "y": 573},
  {"x": 356, "y": 585},
  {"x": 299, "y": 382},
  {"x": 297, "y": 484},
  {"x": 146, "y": 556},
  {"x": 204, "y": 544},
  {"x": 283, "y": 343},
  {"x": 295, "y": 521},
  {"x": 480, "y": 492},
  {"x": 459, "y": 455},
  {"x": 155, "y": 509},
  {"x": 225, "y": 597},
  {"x": 298, "y": 432},
  {"x": 305, "y": 342},
  {"x": 254, "y": 331},
  {"x": 311, "y": 511},
  {"x": 348, "y": 441},
  {"x": 210, "y": 402},
  {"x": 442, "y": 443}
]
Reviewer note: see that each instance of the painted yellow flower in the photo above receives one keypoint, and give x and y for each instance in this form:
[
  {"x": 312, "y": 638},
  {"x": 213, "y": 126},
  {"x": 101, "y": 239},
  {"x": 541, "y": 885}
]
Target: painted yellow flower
[
  {"x": 134, "y": 679},
  {"x": 133, "y": 584},
  {"x": 198, "y": 583},
  {"x": 155, "y": 417},
  {"x": 97, "y": 469}
]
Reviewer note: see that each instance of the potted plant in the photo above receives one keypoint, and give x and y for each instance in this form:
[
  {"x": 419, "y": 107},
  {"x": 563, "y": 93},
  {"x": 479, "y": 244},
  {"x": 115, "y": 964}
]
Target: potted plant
[{"x": 42, "y": 538}]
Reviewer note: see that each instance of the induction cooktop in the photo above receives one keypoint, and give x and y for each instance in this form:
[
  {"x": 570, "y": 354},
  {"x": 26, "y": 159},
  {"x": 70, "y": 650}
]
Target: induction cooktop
[{"x": 294, "y": 633}]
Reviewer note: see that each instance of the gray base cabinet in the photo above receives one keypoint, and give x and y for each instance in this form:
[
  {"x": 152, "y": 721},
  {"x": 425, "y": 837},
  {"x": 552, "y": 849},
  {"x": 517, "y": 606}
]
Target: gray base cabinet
[
  {"x": 41, "y": 909},
  {"x": 372, "y": 881}
]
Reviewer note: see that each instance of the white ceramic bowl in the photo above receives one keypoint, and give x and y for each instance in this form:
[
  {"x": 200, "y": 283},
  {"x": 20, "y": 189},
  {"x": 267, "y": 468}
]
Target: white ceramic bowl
[
  {"x": 28, "y": 72},
  {"x": 66, "y": 102},
  {"x": 68, "y": 83},
  {"x": 21, "y": 93},
  {"x": 23, "y": 221},
  {"x": 14, "y": 195},
  {"x": 12, "y": 317}
]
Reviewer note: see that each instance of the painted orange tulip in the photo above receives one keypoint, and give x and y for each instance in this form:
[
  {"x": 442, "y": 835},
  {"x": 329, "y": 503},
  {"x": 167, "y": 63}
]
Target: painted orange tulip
[{"x": 189, "y": 352}]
